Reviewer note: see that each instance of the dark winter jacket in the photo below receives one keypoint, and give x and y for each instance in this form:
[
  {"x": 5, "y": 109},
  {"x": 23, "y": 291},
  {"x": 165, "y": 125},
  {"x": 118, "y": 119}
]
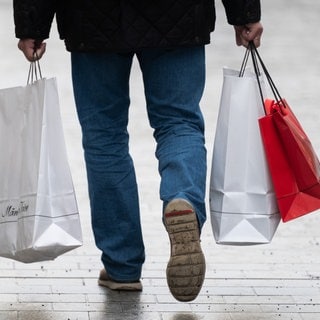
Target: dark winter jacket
[{"x": 127, "y": 25}]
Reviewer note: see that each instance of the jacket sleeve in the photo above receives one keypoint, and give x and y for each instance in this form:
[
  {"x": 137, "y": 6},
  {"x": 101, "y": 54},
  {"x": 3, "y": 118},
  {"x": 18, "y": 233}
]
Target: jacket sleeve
[
  {"x": 33, "y": 18},
  {"x": 241, "y": 12}
]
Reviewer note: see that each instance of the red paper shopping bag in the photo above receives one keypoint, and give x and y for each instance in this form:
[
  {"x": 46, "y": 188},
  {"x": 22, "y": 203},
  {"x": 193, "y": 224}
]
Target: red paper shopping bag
[{"x": 293, "y": 163}]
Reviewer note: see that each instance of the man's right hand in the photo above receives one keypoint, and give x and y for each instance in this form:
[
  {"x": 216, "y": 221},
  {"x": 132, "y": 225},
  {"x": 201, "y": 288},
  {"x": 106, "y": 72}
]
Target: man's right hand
[
  {"x": 247, "y": 33},
  {"x": 32, "y": 49}
]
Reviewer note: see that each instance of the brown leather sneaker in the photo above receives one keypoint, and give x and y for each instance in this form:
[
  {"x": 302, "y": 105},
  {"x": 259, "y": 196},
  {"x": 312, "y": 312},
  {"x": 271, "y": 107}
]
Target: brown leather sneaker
[{"x": 106, "y": 281}]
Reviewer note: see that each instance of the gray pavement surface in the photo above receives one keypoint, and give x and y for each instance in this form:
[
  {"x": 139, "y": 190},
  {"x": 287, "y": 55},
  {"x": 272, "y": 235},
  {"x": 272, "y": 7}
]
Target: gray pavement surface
[{"x": 280, "y": 280}]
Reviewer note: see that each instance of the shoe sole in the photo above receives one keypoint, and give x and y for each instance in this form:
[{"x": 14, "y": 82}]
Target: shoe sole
[
  {"x": 186, "y": 267},
  {"x": 135, "y": 286}
]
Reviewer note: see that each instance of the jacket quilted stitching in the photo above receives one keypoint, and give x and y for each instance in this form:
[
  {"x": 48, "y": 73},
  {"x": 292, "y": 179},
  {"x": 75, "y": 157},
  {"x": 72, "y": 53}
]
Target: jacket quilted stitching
[{"x": 127, "y": 25}]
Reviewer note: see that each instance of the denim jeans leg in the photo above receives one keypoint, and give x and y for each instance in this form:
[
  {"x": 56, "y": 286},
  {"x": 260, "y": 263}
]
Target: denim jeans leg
[
  {"x": 174, "y": 83},
  {"x": 101, "y": 90}
]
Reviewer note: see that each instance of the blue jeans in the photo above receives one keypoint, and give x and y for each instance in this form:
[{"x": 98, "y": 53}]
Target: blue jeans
[{"x": 174, "y": 83}]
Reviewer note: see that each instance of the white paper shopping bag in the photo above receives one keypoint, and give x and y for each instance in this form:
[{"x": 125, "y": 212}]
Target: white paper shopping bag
[
  {"x": 242, "y": 201},
  {"x": 39, "y": 217}
]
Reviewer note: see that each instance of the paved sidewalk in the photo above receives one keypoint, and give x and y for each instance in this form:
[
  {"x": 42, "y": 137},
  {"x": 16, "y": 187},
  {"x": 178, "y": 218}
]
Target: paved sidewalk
[{"x": 268, "y": 282}]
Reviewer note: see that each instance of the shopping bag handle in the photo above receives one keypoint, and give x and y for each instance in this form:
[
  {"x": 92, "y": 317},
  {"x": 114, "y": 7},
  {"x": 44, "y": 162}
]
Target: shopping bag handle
[
  {"x": 245, "y": 62},
  {"x": 256, "y": 60},
  {"x": 34, "y": 73},
  {"x": 256, "y": 70}
]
